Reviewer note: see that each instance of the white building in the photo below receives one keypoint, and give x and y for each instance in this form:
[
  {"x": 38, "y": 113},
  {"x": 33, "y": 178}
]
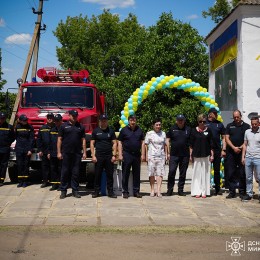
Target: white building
[{"x": 234, "y": 61}]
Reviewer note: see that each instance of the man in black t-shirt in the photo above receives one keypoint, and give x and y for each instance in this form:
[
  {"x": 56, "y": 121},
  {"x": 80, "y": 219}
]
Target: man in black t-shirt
[
  {"x": 104, "y": 140},
  {"x": 130, "y": 148},
  {"x": 71, "y": 141},
  {"x": 178, "y": 153},
  {"x": 235, "y": 133}
]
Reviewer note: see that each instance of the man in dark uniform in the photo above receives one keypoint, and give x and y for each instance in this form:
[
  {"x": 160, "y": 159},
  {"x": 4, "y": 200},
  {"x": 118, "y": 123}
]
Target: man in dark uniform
[
  {"x": 52, "y": 154},
  {"x": 6, "y": 139},
  {"x": 24, "y": 146},
  {"x": 130, "y": 144},
  {"x": 71, "y": 141},
  {"x": 104, "y": 140},
  {"x": 178, "y": 153},
  {"x": 218, "y": 134},
  {"x": 43, "y": 142},
  {"x": 235, "y": 132}
]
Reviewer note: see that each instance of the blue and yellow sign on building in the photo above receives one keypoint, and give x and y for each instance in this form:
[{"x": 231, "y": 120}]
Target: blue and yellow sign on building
[{"x": 224, "y": 48}]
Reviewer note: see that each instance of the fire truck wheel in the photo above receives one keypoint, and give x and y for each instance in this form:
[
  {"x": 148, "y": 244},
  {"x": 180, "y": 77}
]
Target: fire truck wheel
[
  {"x": 13, "y": 174},
  {"x": 90, "y": 171}
]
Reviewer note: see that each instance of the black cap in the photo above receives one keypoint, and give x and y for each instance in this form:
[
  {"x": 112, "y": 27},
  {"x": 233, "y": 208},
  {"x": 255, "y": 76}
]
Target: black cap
[
  {"x": 180, "y": 117},
  {"x": 50, "y": 115},
  {"x": 103, "y": 117},
  {"x": 23, "y": 117},
  {"x": 2, "y": 115},
  {"x": 73, "y": 112},
  {"x": 57, "y": 117},
  {"x": 212, "y": 110}
]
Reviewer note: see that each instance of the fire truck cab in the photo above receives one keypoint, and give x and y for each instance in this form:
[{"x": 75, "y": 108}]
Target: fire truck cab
[{"x": 59, "y": 92}]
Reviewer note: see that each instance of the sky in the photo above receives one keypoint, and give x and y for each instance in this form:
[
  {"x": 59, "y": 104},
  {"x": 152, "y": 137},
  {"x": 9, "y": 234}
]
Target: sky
[{"x": 17, "y": 23}]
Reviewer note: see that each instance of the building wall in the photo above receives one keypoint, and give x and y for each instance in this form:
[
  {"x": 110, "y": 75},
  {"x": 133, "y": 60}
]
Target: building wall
[{"x": 247, "y": 65}]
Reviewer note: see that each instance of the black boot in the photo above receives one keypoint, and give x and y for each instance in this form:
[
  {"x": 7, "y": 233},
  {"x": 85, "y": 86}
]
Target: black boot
[
  {"x": 63, "y": 194},
  {"x": 76, "y": 194}
]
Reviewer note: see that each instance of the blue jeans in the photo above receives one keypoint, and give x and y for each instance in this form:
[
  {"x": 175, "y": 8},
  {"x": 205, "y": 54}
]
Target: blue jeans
[{"x": 252, "y": 164}]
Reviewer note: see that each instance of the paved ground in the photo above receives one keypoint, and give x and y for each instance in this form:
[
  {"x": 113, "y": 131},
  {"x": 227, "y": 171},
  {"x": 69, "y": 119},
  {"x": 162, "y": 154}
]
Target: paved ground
[{"x": 36, "y": 206}]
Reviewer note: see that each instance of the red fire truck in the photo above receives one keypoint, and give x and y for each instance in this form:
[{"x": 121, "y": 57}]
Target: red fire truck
[{"x": 59, "y": 92}]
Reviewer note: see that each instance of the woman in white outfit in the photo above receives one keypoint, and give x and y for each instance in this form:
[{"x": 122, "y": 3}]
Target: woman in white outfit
[
  {"x": 156, "y": 150},
  {"x": 201, "y": 154}
]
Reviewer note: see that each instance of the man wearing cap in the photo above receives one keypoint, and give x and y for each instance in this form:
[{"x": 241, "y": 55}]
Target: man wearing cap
[
  {"x": 24, "y": 134},
  {"x": 43, "y": 142},
  {"x": 52, "y": 154},
  {"x": 218, "y": 134},
  {"x": 104, "y": 140},
  {"x": 6, "y": 139},
  {"x": 130, "y": 148},
  {"x": 235, "y": 133},
  {"x": 71, "y": 141},
  {"x": 178, "y": 141}
]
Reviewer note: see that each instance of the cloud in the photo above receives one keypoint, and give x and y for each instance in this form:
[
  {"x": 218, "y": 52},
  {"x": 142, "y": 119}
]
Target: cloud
[
  {"x": 2, "y": 22},
  {"x": 192, "y": 17},
  {"x": 112, "y": 4},
  {"x": 23, "y": 38},
  {"x": 7, "y": 70}
]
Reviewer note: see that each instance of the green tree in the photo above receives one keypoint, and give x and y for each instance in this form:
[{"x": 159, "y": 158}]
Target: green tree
[
  {"x": 220, "y": 10},
  {"x": 122, "y": 55}
]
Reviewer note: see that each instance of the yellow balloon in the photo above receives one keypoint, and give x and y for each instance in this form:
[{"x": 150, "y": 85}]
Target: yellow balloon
[
  {"x": 200, "y": 88},
  {"x": 189, "y": 80},
  {"x": 171, "y": 76},
  {"x": 159, "y": 86},
  {"x": 147, "y": 87},
  {"x": 204, "y": 90},
  {"x": 163, "y": 81},
  {"x": 146, "y": 92},
  {"x": 135, "y": 104},
  {"x": 208, "y": 99},
  {"x": 175, "y": 84},
  {"x": 135, "y": 98},
  {"x": 153, "y": 79}
]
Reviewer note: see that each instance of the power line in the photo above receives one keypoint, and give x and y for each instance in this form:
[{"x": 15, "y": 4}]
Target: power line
[{"x": 13, "y": 54}]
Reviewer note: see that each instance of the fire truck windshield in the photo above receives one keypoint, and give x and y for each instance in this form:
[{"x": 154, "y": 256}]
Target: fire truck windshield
[{"x": 55, "y": 96}]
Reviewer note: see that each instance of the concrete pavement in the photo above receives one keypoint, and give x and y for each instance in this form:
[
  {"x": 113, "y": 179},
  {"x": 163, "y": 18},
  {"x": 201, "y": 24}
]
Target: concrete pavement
[{"x": 34, "y": 206}]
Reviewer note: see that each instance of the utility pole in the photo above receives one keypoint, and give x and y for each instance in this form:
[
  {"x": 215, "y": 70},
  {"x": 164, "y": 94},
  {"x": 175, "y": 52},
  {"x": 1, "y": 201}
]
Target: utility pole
[{"x": 33, "y": 51}]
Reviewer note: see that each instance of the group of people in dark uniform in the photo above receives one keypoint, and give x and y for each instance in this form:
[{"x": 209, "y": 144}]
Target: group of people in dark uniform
[{"x": 61, "y": 147}]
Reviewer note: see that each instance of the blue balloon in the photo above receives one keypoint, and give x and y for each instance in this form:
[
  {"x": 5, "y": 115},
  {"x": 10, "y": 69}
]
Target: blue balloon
[
  {"x": 131, "y": 112},
  {"x": 123, "y": 118},
  {"x": 142, "y": 88},
  {"x": 126, "y": 122},
  {"x": 212, "y": 106},
  {"x": 207, "y": 104},
  {"x": 130, "y": 105}
]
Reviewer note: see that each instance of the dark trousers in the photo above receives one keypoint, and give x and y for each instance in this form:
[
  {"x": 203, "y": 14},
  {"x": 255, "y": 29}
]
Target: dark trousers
[
  {"x": 4, "y": 157},
  {"x": 23, "y": 164},
  {"x": 216, "y": 167},
  {"x": 134, "y": 161},
  {"x": 236, "y": 172},
  {"x": 183, "y": 163},
  {"x": 104, "y": 162},
  {"x": 55, "y": 170},
  {"x": 70, "y": 168},
  {"x": 45, "y": 168}
]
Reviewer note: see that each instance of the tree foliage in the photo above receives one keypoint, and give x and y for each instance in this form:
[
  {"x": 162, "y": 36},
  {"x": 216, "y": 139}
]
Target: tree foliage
[
  {"x": 122, "y": 55},
  {"x": 220, "y": 10}
]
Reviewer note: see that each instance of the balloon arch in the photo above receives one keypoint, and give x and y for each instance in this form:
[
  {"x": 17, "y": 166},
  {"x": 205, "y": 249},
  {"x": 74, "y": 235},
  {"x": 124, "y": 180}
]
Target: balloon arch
[{"x": 170, "y": 82}]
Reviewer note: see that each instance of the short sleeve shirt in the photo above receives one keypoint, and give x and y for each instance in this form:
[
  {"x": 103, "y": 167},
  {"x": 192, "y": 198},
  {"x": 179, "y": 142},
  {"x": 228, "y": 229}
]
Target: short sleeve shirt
[
  {"x": 180, "y": 140},
  {"x": 103, "y": 140},
  {"x": 236, "y": 134},
  {"x": 156, "y": 143},
  {"x": 72, "y": 137},
  {"x": 253, "y": 143},
  {"x": 131, "y": 139}
]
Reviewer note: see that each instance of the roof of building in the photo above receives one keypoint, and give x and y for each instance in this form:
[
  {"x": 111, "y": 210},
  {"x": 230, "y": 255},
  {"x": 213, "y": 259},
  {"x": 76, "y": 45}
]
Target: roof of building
[{"x": 241, "y": 2}]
